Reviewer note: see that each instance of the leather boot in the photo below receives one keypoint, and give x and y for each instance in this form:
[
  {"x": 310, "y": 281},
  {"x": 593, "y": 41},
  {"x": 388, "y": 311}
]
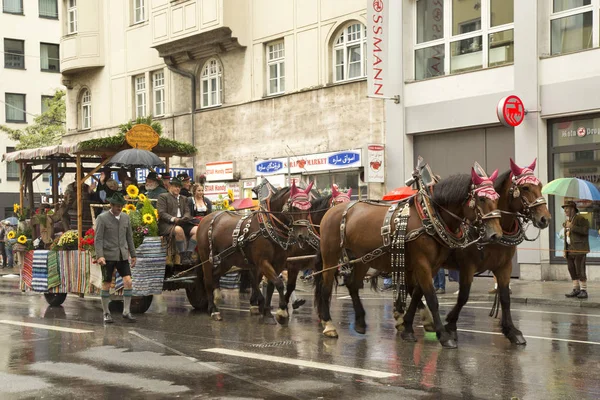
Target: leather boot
[
  {"x": 574, "y": 293},
  {"x": 582, "y": 294}
]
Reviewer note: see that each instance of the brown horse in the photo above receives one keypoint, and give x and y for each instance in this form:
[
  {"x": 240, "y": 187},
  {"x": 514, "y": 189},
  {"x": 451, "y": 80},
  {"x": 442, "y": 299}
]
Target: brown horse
[
  {"x": 319, "y": 207},
  {"x": 521, "y": 201},
  {"x": 259, "y": 243},
  {"x": 454, "y": 199}
]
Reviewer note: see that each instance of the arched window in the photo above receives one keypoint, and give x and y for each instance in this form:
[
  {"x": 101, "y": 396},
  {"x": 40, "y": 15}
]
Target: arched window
[
  {"x": 86, "y": 109},
  {"x": 349, "y": 53},
  {"x": 211, "y": 83}
]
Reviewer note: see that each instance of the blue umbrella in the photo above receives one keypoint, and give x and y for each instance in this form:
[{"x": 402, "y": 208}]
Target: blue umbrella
[
  {"x": 572, "y": 187},
  {"x": 11, "y": 220}
]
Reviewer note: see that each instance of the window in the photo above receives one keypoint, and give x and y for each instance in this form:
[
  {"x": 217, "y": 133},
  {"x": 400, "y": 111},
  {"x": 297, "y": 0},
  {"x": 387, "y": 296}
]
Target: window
[
  {"x": 48, "y": 9},
  {"x": 140, "y": 96},
  {"x": 15, "y": 107},
  {"x": 14, "y": 53},
  {"x": 49, "y": 59},
  {"x": 474, "y": 33},
  {"x": 138, "y": 11},
  {"x": 86, "y": 109},
  {"x": 349, "y": 53},
  {"x": 12, "y": 6},
  {"x": 12, "y": 168},
  {"x": 45, "y": 105},
  {"x": 275, "y": 68},
  {"x": 158, "y": 89},
  {"x": 212, "y": 83},
  {"x": 571, "y": 25},
  {"x": 72, "y": 16}
]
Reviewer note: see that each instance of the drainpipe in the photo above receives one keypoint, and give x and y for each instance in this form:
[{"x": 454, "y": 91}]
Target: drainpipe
[{"x": 193, "y": 94}]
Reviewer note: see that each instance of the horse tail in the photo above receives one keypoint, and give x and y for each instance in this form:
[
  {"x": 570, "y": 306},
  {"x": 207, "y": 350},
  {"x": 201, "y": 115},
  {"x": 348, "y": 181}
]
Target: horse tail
[
  {"x": 246, "y": 280},
  {"x": 375, "y": 280},
  {"x": 317, "y": 281}
]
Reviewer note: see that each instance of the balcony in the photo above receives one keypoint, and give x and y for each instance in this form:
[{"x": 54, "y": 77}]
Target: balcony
[
  {"x": 84, "y": 49},
  {"x": 193, "y": 29}
]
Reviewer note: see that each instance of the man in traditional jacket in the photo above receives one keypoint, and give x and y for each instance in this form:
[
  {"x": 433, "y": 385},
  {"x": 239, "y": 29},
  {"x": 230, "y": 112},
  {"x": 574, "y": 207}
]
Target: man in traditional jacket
[
  {"x": 174, "y": 218},
  {"x": 114, "y": 244},
  {"x": 577, "y": 245},
  {"x": 153, "y": 187}
]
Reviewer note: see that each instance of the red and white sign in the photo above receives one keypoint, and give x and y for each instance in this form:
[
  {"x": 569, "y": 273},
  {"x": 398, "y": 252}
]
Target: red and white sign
[
  {"x": 249, "y": 184},
  {"x": 581, "y": 132},
  {"x": 213, "y": 190},
  {"x": 511, "y": 111},
  {"x": 377, "y": 46},
  {"x": 375, "y": 163},
  {"x": 219, "y": 171}
]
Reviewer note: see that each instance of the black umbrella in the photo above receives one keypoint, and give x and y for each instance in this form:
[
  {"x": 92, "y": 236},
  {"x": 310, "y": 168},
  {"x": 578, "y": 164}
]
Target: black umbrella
[{"x": 136, "y": 158}]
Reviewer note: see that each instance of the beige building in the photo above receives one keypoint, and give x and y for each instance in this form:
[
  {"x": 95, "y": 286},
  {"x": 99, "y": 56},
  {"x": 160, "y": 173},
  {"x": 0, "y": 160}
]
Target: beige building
[
  {"x": 30, "y": 72},
  {"x": 245, "y": 81}
]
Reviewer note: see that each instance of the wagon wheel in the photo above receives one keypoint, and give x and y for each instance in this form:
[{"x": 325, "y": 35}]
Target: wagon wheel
[
  {"x": 197, "y": 298},
  {"x": 140, "y": 304},
  {"x": 55, "y": 299}
]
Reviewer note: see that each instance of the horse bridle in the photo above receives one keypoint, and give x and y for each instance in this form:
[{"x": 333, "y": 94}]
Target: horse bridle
[
  {"x": 514, "y": 191},
  {"x": 486, "y": 190}
]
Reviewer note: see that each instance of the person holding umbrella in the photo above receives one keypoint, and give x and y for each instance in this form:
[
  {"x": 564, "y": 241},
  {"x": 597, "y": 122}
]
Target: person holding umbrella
[{"x": 577, "y": 245}]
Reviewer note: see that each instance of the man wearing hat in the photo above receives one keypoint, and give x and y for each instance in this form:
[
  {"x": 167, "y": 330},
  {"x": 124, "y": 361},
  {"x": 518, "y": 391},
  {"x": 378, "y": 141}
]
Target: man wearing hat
[
  {"x": 186, "y": 184},
  {"x": 174, "y": 215},
  {"x": 153, "y": 187},
  {"x": 114, "y": 245},
  {"x": 577, "y": 245},
  {"x": 166, "y": 179}
]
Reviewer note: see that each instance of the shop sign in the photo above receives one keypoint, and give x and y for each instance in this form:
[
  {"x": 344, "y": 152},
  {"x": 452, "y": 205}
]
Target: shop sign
[
  {"x": 219, "y": 171},
  {"x": 249, "y": 184},
  {"x": 142, "y": 173},
  {"x": 310, "y": 163},
  {"x": 511, "y": 111},
  {"x": 214, "y": 189},
  {"x": 375, "y": 163},
  {"x": 377, "y": 46},
  {"x": 579, "y": 132},
  {"x": 142, "y": 136}
]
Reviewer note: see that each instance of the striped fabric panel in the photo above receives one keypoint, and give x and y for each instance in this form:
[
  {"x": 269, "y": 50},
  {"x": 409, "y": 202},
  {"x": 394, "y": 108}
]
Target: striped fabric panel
[
  {"x": 27, "y": 270},
  {"x": 53, "y": 274},
  {"x": 40, "y": 271}
]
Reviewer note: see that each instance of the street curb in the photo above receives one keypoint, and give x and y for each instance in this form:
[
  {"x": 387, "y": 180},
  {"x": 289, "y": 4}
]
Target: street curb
[{"x": 540, "y": 301}]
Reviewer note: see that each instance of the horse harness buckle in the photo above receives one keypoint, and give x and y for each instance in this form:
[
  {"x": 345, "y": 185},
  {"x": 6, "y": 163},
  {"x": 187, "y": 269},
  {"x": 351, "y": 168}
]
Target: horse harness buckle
[{"x": 387, "y": 226}]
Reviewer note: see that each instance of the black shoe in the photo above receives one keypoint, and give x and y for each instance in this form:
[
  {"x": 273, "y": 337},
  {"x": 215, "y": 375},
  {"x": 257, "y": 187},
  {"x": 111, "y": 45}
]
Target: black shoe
[
  {"x": 298, "y": 303},
  {"x": 574, "y": 293},
  {"x": 582, "y": 294},
  {"x": 129, "y": 318},
  {"x": 108, "y": 318}
]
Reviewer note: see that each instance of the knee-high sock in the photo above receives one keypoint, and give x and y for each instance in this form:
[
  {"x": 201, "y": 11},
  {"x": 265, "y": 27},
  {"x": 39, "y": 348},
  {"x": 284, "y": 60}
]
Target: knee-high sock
[
  {"x": 192, "y": 245},
  {"x": 105, "y": 297},
  {"x": 583, "y": 285},
  {"x": 127, "y": 293},
  {"x": 180, "y": 246}
]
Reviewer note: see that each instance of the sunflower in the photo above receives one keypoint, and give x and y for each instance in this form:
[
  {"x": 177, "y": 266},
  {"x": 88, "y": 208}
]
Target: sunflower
[
  {"x": 22, "y": 239},
  {"x": 226, "y": 204},
  {"x": 147, "y": 219},
  {"x": 133, "y": 191},
  {"x": 126, "y": 211},
  {"x": 16, "y": 208},
  {"x": 11, "y": 235},
  {"x": 230, "y": 194},
  {"x": 156, "y": 213},
  {"x": 130, "y": 207},
  {"x": 142, "y": 197}
]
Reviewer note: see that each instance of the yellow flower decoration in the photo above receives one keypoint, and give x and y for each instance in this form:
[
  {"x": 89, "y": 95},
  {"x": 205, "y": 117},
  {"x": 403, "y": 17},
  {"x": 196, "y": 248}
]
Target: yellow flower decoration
[
  {"x": 16, "y": 208},
  {"x": 126, "y": 211},
  {"x": 133, "y": 191},
  {"x": 226, "y": 204},
  {"x": 156, "y": 213},
  {"x": 22, "y": 239},
  {"x": 142, "y": 197},
  {"x": 147, "y": 219},
  {"x": 230, "y": 194},
  {"x": 130, "y": 207},
  {"x": 11, "y": 235}
]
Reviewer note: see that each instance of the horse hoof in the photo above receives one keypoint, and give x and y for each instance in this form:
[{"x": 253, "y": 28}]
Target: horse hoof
[
  {"x": 399, "y": 326},
  {"x": 254, "y": 310},
  {"x": 269, "y": 321},
  {"x": 216, "y": 316},
  {"x": 362, "y": 329},
  {"x": 281, "y": 313},
  {"x": 329, "y": 330},
  {"x": 427, "y": 320},
  {"x": 408, "y": 336},
  {"x": 397, "y": 315},
  {"x": 518, "y": 339},
  {"x": 449, "y": 344}
]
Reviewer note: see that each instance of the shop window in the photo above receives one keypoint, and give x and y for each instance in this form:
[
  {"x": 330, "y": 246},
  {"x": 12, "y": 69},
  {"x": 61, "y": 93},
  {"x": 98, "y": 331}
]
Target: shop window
[
  {"x": 569, "y": 160},
  {"x": 344, "y": 180},
  {"x": 349, "y": 51},
  {"x": 474, "y": 39}
]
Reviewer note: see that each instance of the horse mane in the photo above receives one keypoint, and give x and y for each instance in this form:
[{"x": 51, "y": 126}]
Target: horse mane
[
  {"x": 279, "y": 197},
  {"x": 501, "y": 180},
  {"x": 320, "y": 203},
  {"x": 452, "y": 190}
]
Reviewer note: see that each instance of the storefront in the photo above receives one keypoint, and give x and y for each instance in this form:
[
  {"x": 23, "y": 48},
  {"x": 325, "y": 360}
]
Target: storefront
[
  {"x": 220, "y": 178},
  {"x": 343, "y": 168},
  {"x": 574, "y": 152}
]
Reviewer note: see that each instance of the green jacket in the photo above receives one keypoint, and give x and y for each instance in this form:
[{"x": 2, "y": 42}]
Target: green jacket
[{"x": 580, "y": 241}]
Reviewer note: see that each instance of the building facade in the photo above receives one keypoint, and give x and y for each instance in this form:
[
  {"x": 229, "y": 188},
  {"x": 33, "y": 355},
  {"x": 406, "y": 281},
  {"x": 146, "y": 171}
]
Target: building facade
[
  {"x": 453, "y": 60},
  {"x": 29, "y": 74},
  {"x": 245, "y": 82}
]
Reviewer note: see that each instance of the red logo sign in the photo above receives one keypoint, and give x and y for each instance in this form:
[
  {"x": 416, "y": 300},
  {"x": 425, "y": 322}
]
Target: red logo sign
[
  {"x": 378, "y": 5},
  {"x": 511, "y": 111},
  {"x": 581, "y": 132}
]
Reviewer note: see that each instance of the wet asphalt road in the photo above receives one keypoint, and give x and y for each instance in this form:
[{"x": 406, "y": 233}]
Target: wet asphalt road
[{"x": 173, "y": 351}]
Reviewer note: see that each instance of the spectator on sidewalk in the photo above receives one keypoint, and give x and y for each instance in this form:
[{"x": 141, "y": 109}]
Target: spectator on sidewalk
[
  {"x": 577, "y": 245},
  {"x": 439, "y": 281}
]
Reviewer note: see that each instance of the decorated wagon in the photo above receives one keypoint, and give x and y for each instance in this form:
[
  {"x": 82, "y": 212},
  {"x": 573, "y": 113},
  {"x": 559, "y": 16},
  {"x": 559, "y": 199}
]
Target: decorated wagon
[{"x": 55, "y": 263}]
